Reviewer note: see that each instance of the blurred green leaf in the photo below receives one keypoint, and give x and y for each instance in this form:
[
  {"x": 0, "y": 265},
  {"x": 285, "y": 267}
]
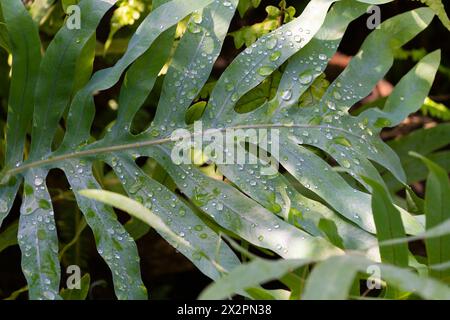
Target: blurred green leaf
[
  {"x": 245, "y": 5},
  {"x": 9, "y": 236},
  {"x": 436, "y": 110},
  {"x": 437, "y": 211},
  {"x": 388, "y": 224},
  {"x": 332, "y": 279},
  {"x": 428, "y": 142},
  {"x": 249, "y": 275}
]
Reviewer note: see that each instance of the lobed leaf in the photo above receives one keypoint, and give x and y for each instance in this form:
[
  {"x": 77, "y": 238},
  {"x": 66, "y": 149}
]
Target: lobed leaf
[
  {"x": 38, "y": 239},
  {"x": 58, "y": 73},
  {"x": 241, "y": 215},
  {"x": 24, "y": 45},
  {"x": 114, "y": 244},
  {"x": 193, "y": 61},
  {"x": 202, "y": 248},
  {"x": 262, "y": 59},
  {"x": 82, "y": 107}
]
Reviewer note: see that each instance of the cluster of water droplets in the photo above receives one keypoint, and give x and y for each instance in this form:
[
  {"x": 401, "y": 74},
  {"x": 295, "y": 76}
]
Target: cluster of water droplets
[
  {"x": 336, "y": 102},
  {"x": 4, "y": 207},
  {"x": 257, "y": 62},
  {"x": 38, "y": 220},
  {"x": 115, "y": 241},
  {"x": 303, "y": 69},
  {"x": 189, "y": 80},
  {"x": 166, "y": 205}
]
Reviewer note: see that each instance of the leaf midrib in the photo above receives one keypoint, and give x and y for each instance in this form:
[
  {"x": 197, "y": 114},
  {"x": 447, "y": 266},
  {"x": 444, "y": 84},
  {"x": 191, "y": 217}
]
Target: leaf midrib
[{"x": 141, "y": 144}]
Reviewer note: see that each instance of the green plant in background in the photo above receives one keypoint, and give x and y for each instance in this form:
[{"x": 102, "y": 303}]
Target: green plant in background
[
  {"x": 438, "y": 8},
  {"x": 436, "y": 110},
  {"x": 309, "y": 212},
  {"x": 275, "y": 18},
  {"x": 246, "y": 5},
  {"x": 127, "y": 13}
]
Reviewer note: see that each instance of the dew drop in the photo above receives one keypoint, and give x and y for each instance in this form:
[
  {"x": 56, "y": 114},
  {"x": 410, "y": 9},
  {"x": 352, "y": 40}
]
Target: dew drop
[
  {"x": 275, "y": 56},
  {"x": 49, "y": 295},
  {"x": 3, "y": 206},
  {"x": 229, "y": 87},
  {"x": 306, "y": 78},
  {"x": 38, "y": 181},
  {"x": 197, "y": 17},
  {"x": 271, "y": 43},
  {"x": 266, "y": 71},
  {"x": 286, "y": 95},
  {"x": 337, "y": 95},
  {"x": 331, "y": 105},
  {"x": 155, "y": 133},
  {"x": 346, "y": 163}
]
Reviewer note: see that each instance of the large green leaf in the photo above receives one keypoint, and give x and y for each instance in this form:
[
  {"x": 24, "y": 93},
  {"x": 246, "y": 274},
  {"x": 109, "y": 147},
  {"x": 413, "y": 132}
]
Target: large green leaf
[
  {"x": 299, "y": 211},
  {"x": 25, "y": 50},
  {"x": 242, "y": 215},
  {"x": 193, "y": 62}
]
